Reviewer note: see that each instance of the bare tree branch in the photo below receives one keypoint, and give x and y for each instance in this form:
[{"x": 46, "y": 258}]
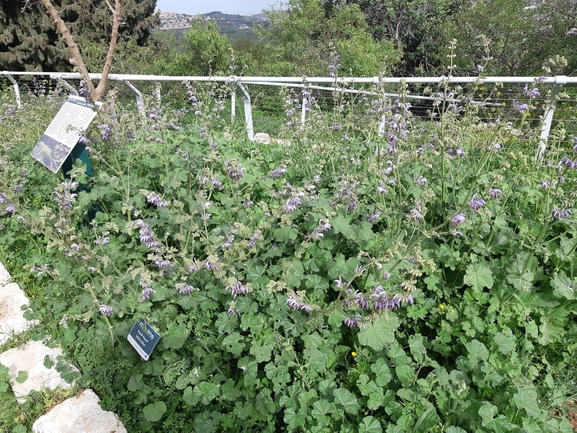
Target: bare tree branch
[{"x": 77, "y": 60}]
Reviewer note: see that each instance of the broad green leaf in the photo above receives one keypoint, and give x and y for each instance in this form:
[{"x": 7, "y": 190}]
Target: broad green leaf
[
  {"x": 22, "y": 376},
  {"x": 498, "y": 424},
  {"x": 405, "y": 373},
  {"x": 135, "y": 382},
  {"x": 347, "y": 400},
  {"x": 549, "y": 332},
  {"x": 294, "y": 419},
  {"x": 321, "y": 408},
  {"x": 379, "y": 333},
  {"x": 417, "y": 347},
  {"x": 382, "y": 371},
  {"x": 336, "y": 318},
  {"x": 262, "y": 348},
  {"x": 370, "y": 424},
  {"x": 233, "y": 343},
  {"x": 341, "y": 225},
  {"x": 477, "y": 352},
  {"x": 527, "y": 399},
  {"x": 455, "y": 430},
  {"x": 564, "y": 286},
  {"x": 285, "y": 234},
  {"x": 154, "y": 411},
  {"x": 175, "y": 337},
  {"x": 478, "y": 276},
  {"x": 505, "y": 341}
]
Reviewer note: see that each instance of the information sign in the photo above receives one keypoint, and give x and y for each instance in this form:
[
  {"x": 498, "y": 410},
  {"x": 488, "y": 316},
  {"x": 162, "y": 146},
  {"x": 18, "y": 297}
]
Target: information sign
[
  {"x": 143, "y": 338},
  {"x": 63, "y": 133}
]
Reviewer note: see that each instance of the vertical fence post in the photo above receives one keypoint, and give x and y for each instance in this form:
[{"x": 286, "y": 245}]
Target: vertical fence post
[
  {"x": 305, "y": 103},
  {"x": 157, "y": 92},
  {"x": 232, "y": 86},
  {"x": 139, "y": 100},
  {"x": 548, "y": 117},
  {"x": 247, "y": 112},
  {"x": 16, "y": 89}
]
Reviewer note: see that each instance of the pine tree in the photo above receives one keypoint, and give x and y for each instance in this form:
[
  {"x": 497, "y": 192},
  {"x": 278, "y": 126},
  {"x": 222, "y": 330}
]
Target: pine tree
[{"x": 29, "y": 40}]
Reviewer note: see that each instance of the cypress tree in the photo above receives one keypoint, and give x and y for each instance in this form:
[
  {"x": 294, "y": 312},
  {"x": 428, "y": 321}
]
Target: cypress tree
[{"x": 29, "y": 39}]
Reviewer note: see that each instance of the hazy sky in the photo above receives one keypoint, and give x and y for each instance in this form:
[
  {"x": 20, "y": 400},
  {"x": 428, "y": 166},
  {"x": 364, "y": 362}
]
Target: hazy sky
[{"x": 205, "y": 6}]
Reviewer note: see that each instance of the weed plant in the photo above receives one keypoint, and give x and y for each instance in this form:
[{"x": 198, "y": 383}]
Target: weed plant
[{"x": 373, "y": 272}]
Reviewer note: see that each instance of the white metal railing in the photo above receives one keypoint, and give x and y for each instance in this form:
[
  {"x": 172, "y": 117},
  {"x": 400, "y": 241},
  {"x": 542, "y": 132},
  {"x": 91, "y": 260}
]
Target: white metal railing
[{"x": 333, "y": 84}]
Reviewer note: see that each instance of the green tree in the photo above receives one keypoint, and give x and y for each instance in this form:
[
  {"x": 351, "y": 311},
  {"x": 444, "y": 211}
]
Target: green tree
[
  {"x": 303, "y": 39},
  {"x": 202, "y": 51},
  {"x": 518, "y": 35},
  {"x": 29, "y": 40},
  {"x": 417, "y": 27}
]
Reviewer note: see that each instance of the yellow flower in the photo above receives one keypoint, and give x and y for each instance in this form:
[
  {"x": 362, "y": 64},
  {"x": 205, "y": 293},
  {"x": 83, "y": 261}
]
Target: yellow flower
[
  {"x": 452, "y": 311},
  {"x": 442, "y": 307},
  {"x": 353, "y": 354}
]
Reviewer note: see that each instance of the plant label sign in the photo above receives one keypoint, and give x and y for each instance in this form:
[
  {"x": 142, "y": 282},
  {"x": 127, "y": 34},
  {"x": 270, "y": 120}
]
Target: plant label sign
[
  {"x": 143, "y": 338},
  {"x": 63, "y": 133}
]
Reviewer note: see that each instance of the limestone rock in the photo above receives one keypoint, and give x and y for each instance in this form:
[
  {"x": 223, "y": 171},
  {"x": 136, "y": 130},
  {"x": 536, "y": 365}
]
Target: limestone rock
[
  {"x": 29, "y": 359},
  {"x": 4, "y": 275},
  {"x": 12, "y": 320},
  {"x": 81, "y": 414},
  {"x": 262, "y": 138}
]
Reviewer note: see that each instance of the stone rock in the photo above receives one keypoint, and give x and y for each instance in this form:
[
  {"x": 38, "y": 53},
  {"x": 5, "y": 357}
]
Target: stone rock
[
  {"x": 81, "y": 414},
  {"x": 262, "y": 138},
  {"x": 12, "y": 320},
  {"x": 29, "y": 359},
  {"x": 4, "y": 275}
]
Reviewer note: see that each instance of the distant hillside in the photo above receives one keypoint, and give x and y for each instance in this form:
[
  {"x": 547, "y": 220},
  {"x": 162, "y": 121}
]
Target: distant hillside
[{"x": 234, "y": 26}]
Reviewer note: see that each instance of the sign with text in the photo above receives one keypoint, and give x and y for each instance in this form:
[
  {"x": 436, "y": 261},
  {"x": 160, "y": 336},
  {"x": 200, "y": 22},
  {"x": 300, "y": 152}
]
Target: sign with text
[
  {"x": 143, "y": 338},
  {"x": 63, "y": 133}
]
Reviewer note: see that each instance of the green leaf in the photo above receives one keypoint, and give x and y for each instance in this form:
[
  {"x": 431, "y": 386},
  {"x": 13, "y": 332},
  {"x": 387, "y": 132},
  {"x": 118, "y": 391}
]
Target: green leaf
[
  {"x": 135, "y": 382},
  {"x": 379, "y": 333},
  {"x": 263, "y": 347},
  {"x": 341, "y": 225},
  {"x": 233, "y": 343},
  {"x": 22, "y": 376},
  {"x": 154, "y": 411},
  {"x": 176, "y": 336},
  {"x": 417, "y": 347},
  {"x": 48, "y": 362},
  {"x": 505, "y": 341},
  {"x": 564, "y": 286},
  {"x": 477, "y": 352},
  {"x": 370, "y": 424},
  {"x": 499, "y": 424},
  {"x": 381, "y": 369},
  {"x": 478, "y": 277},
  {"x": 347, "y": 400},
  {"x": 294, "y": 419},
  {"x": 321, "y": 408},
  {"x": 549, "y": 331},
  {"x": 527, "y": 399},
  {"x": 285, "y": 234}
]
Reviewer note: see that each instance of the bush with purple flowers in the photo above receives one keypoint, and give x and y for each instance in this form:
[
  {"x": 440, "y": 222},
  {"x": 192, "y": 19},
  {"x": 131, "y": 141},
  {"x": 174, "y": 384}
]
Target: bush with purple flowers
[{"x": 320, "y": 285}]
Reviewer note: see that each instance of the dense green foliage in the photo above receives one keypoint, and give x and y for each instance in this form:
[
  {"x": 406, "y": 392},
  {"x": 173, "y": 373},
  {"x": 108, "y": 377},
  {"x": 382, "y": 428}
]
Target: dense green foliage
[
  {"x": 29, "y": 39},
  {"x": 420, "y": 279}
]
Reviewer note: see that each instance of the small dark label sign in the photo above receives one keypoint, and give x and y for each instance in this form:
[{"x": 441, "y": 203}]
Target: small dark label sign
[{"x": 143, "y": 338}]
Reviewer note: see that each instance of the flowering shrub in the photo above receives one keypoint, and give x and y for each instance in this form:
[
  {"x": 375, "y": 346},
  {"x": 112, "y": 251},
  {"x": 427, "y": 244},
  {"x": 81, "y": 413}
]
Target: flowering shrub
[{"x": 318, "y": 285}]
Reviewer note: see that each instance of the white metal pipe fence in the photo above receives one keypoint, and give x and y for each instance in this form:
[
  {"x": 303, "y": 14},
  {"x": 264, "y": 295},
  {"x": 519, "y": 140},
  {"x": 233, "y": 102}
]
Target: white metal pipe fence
[{"x": 327, "y": 87}]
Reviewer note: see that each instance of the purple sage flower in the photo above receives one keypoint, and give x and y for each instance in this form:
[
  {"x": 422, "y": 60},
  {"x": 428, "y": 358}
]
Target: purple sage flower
[
  {"x": 107, "y": 311},
  {"x": 476, "y": 203},
  {"x": 494, "y": 193},
  {"x": 459, "y": 219},
  {"x": 561, "y": 213}
]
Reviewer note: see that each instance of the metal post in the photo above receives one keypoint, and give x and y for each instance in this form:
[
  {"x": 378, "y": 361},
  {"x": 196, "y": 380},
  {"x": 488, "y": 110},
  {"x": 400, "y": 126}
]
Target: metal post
[
  {"x": 139, "y": 100},
  {"x": 157, "y": 92},
  {"x": 305, "y": 104},
  {"x": 247, "y": 112},
  {"x": 232, "y": 103},
  {"x": 16, "y": 89},
  {"x": 548, "y": 117}
]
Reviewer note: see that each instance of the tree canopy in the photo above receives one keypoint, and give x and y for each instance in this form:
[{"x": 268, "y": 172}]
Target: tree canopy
[{"x": 29, "y": 40}]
